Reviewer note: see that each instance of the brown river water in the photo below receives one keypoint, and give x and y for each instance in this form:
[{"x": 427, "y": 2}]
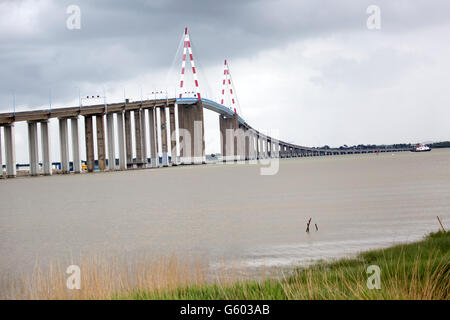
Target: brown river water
[{"x": 228, "y": 213}]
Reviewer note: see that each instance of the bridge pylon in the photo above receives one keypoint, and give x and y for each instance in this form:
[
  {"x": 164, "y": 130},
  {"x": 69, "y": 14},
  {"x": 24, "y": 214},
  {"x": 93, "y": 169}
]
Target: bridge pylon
[
  {"x": 188, "y": 49},
  {"x": 227, "y": 87}
]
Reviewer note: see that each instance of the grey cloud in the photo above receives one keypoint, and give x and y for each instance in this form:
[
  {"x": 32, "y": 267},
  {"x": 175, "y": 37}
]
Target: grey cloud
[{"x": 122, "y": 40}]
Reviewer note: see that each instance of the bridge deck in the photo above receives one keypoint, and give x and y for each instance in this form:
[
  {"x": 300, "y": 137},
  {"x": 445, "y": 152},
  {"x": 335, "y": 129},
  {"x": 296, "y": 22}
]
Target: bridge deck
[{"x": 68, "y": 112}]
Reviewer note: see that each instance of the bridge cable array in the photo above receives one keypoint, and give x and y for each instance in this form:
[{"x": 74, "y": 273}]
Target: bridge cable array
[
  {"x": 228, "y": 87},
  {"x": 188, "y": 48}
]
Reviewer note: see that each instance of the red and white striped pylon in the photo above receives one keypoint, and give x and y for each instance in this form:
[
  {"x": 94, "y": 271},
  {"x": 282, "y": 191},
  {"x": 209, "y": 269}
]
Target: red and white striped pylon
[
  {"x": 187, "y": 47},
  {"x": 227, "y": 81}
]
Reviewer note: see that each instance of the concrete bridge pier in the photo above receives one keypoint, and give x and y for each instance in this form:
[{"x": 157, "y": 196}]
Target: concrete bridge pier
[
  {"x": 199, "y": 135},
  {"x": 89, "y": 141},
  {"x": 247, "y": 138},
  {"x": 75, "y": 145},
  {"x": 261, "y": 147},
  {"x": 45, "y": 145},
  {"x": 240, "y": 137},
  {"x": 173, "y": 136},
  {"x": 111, "y": 141},
  {"x": 192, "y": 133},
  {"x": 33, "y": 148},
  {"x": 121, "y": 138},
  {"x": 153, "y": 136},
  {"x": 64, "y": 145},
  {"x": 1, "y": 158},
  {"x": 10, "y": 150},
  {"x": 258, "y": 146},
  {"x": 101, "y": 147},
  {"x": 253, "y": 154},
  {"x": 144, "y": 137},
  {"x": 223, "y": 137},
  {"x": 128, "y": 139},
  {"x": 138, "y": 138},
  {"x": 164, "y": 148},
  {"x": 229, "y": 137}
]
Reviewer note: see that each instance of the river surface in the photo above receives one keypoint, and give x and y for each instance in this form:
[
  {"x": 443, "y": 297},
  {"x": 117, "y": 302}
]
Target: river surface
[{"x": 228, "y": 213}]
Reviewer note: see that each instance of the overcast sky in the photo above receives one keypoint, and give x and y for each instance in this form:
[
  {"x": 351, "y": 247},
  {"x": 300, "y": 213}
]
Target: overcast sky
[{"x": 310, "y": 69}]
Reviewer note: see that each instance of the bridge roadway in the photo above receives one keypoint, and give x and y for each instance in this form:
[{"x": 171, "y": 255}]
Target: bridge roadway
[{"x": 239, "y": 141}]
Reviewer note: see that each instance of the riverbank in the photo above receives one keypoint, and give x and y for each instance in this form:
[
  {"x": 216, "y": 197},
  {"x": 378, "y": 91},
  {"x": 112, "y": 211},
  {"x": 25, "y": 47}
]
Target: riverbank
[{"x": 419, "y": 270}]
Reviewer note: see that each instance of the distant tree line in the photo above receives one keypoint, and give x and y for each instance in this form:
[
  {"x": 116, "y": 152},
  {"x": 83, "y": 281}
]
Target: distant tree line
[{"x": 442, "y": 144}]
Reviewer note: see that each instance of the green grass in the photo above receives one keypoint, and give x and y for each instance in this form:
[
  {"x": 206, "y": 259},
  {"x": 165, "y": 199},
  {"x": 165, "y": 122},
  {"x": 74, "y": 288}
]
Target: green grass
[{"x": 418, "y": 270}]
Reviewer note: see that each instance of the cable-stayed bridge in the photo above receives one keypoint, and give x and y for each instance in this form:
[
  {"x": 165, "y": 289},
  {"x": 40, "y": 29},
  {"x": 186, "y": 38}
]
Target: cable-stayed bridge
[{"x": 130, "y": 130}]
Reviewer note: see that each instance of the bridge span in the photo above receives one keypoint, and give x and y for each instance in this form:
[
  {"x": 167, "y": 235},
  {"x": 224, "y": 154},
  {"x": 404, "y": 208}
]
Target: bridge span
[{"x": 239, "y": 140}]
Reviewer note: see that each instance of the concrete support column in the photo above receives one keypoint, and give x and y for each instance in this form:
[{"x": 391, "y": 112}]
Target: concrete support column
[
  {"x": 121, "y": 136},
  {"x": 192, "y": 133},
  {"x": 138, "y": 138},
  {"x": 165, "y": 155},
  {"x": 64, "y": 145},
  {"x": 173, "y": 135},
  {"x": 231, "y": 138},
  {"x": 199, "y": 134},
  {"x": 258, "y": 146},
  {"x": 10, "y": 150},
  {"x": 251, "y": 145},
  {"x": 235, "y": 137},
  {"x": 101, "y": 147},
  {"x": 45, "y": 143},
  {"x": 33, "y": 148},
  {"x": 89, "y": 138},
  {"x": 153, "y": 137},
  {"x": 1, "y": 159},
  {"x": 128, "y": 139},
  {"x": 144, "y": 137},
  {"x": 268, "y": 148},
  {"x": 276, "y": 150},
  {"x": 75, "y": 145},
  {"x": 261, "y": 148},
  {"x": 111, "y": 141},
  {"x": 185, "y": 135},
  {"x": 247, "y": 138},
  {"x": 241, "y": 143},
  {"x": 222, "y": 129}
]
